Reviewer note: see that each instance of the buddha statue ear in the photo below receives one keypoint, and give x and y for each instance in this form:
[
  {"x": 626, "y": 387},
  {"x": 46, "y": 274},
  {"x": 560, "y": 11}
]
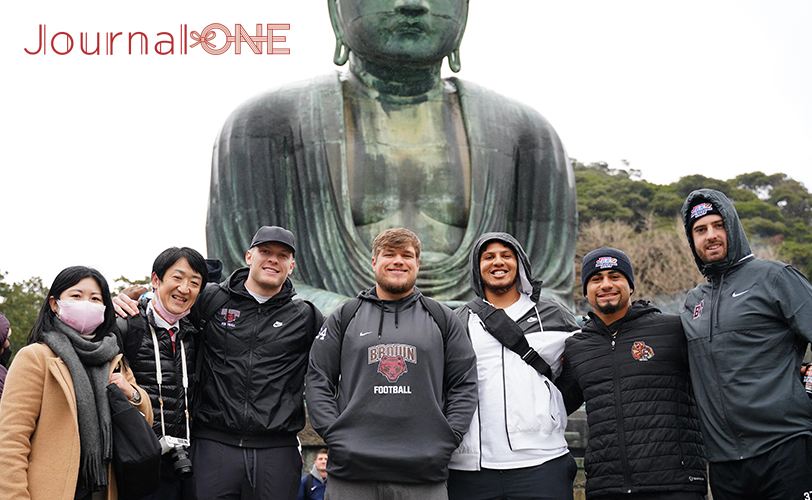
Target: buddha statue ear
[
  {"x": 342, "y": 52},
  {"x": 454, "y": 56}
]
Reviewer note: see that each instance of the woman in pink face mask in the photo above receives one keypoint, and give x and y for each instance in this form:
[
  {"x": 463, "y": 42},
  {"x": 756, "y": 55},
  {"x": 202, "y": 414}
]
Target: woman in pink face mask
[{"x": 55, "y": 427}]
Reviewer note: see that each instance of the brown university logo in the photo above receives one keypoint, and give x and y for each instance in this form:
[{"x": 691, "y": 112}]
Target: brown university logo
[{"x": 391, "y": 359}]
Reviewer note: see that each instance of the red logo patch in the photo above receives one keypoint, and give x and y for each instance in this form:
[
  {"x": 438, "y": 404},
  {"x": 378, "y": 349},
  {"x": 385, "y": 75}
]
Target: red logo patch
[
  {"x": 642, "y": 352},
  {"x": 698, "y": 309},
  {"x": 392, "y": 368}
]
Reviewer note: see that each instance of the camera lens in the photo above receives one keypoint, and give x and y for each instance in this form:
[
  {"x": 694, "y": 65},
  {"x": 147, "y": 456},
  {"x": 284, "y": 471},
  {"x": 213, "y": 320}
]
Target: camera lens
[{"x": 181, "y": 464}]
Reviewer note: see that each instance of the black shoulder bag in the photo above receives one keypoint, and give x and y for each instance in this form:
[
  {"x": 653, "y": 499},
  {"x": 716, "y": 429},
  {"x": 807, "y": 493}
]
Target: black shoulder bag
[
  {"x": 136, "y": 451},
  {"x": 509, "y": 334}
]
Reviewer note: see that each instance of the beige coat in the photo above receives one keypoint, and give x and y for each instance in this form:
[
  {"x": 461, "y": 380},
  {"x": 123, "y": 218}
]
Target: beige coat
[{"x": 39, "y": 430}]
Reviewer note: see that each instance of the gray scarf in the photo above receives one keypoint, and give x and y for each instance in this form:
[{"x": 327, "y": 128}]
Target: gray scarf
[{"x": 89, "y": 366}]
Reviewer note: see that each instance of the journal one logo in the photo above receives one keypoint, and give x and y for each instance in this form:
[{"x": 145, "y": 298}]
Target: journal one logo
[
  {"x": 215, "y": 39},
  {"x": 391, "y": 359}
]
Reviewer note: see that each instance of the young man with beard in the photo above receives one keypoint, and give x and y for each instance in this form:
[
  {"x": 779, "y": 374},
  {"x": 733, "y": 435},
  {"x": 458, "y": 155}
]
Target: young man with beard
[
  {"x": 253, "y": 348},
  {"x": 630, "y": 364},
  {"x": 161, "y": 333},
  {"x": 391, "y": 385},
  {"x": 515, "y": 447},
  {"x": 747, "y": 328}
]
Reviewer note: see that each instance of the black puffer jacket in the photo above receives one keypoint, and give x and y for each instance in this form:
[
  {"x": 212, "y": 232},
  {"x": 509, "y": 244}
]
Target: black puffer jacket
[
  {"x": 254, "y": 359},
  {"x": 643, "y": 429},
  {"x": 140, "y": 353}
]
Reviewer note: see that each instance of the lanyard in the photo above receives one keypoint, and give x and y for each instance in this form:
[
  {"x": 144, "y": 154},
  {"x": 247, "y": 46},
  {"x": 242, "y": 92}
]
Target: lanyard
[{"x": 159, "y": 375}]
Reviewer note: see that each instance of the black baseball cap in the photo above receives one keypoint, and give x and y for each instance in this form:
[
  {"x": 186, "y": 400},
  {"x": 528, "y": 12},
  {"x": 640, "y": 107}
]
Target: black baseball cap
[{"x": 273, "y": 234}]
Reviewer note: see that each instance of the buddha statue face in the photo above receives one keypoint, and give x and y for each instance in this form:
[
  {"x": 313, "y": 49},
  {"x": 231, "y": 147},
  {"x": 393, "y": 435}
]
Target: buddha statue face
[{"x": 412, "y": 32}]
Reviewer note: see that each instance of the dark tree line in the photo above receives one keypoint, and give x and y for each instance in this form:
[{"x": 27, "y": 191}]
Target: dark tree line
[{"x": 775, "y": 210}]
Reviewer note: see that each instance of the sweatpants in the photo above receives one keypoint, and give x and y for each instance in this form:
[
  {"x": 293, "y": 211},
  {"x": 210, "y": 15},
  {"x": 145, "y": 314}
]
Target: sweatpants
[
  {"x": 341, "y": 489},
  {"x": 224, "y": 472},
  {"x": 783, "y": 473},
  {"x": 551, "y": 480}
]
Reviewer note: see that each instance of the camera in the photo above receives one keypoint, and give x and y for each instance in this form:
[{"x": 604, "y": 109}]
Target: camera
[{"x": 178, "y": 450}]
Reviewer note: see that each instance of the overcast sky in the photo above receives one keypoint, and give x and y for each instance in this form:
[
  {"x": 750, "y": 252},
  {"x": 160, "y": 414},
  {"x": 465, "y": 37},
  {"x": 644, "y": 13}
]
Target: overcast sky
[{"x": 106, "y": 158}]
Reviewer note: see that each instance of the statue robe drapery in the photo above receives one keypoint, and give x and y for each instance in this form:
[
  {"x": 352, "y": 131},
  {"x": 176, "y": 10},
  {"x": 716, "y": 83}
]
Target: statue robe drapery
[{"x": 280, "y": 160}]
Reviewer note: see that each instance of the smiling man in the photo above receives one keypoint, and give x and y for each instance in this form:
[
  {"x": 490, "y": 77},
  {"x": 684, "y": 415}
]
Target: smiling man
[
  {"x": 160, "y": 332},
  {"x": 391, "y": 385},
  {"x": 630, "y": 364},
  {"x": 515, "y": 447},
  {"x": 252, "y": 352},
  {"x": 747, "y": 328}
]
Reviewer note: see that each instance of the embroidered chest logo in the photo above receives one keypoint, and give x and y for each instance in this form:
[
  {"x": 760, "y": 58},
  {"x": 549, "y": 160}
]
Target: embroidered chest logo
[
  {"x": 698, "y": 309},
  {"x": 391, "y": 359},
  {"x": 642, "y": 352},
  {"x": 230, "y": 316}
]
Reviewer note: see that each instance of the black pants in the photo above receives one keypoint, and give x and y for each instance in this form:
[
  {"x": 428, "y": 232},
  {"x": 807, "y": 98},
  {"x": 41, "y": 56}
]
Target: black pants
[
  {"x": 549, "y": 481},
  {"x": 783, "y": 473},
  {"x": 224, "y": 472}
]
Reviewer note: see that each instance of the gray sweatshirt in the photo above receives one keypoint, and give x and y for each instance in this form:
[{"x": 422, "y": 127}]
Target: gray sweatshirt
[{"x": 393, "y": 395}]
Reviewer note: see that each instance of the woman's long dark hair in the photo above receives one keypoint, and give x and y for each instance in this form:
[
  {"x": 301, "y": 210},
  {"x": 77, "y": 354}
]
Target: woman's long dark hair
[{"x": 64, "y": 280}]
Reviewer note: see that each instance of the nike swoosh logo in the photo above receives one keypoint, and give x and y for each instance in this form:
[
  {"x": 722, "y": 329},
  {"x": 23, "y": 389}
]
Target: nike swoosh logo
[
  {"x": 532, "y": 319},
  {"x": 365, "y": 333},
  {"x": 278, "y": 324},
  {"x": 740, "y": 293}
]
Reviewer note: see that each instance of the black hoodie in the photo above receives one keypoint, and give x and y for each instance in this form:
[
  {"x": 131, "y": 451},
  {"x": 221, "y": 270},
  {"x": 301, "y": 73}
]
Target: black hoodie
[
  {"x": 747, "y": 330},
  {"x": 392, "y": 395}
]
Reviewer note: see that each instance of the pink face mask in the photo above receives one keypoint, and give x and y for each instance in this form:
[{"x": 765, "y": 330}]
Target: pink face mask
[
  {"x": 81, "y": 315},
  {"x": 161, "y": 310}
]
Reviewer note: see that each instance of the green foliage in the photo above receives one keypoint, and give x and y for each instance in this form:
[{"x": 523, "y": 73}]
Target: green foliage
[
  {"x": 126, "y": 283},
  {"x": 799, "y": 254},
  {"x": 775, "y": 210},
  {"x": 20, "y": 302},
  {"x": 759, "y": 226}
]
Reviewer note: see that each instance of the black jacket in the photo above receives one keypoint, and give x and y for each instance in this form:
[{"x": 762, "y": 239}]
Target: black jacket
[
  {"x": 254, "y": 358},
  {"x": 643, "y": 429},
  {"x": 139, "y": 350}
]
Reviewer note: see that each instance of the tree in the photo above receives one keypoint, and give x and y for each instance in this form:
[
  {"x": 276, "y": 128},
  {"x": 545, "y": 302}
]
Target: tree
[
  {"x": 126, "y": 283},
  {"x": 20, "y": 302}
]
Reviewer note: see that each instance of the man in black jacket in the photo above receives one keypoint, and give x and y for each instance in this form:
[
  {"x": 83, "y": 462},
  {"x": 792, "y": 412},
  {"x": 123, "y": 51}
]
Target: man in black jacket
[
  {"x": 253, "y": 348},
  {"x": 161, "y": 333},
  {"x": 630, "y": 364}
]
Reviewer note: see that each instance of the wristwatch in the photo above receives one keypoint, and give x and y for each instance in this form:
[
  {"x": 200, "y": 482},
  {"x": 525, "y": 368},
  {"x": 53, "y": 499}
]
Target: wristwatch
[{"x": 136, "y": 399}]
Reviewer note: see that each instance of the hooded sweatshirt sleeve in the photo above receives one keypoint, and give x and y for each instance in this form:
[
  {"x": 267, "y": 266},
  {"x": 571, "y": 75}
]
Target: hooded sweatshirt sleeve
[
  {"x": 459, "y": 378},
  {"x": 323, "y": 371}
]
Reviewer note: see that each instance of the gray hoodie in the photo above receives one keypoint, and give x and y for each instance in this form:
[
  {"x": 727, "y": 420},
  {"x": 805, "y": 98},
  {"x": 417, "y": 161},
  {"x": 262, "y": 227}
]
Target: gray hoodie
[
  {"x": 393, "y": 394},
  {"x": 747, "y": 330}
]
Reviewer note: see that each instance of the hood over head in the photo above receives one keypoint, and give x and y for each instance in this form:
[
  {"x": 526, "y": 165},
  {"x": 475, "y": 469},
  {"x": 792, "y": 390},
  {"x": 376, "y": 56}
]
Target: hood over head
[
  {"x": 738, "y": 248},
  {"x": 527, "y": 284}
]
